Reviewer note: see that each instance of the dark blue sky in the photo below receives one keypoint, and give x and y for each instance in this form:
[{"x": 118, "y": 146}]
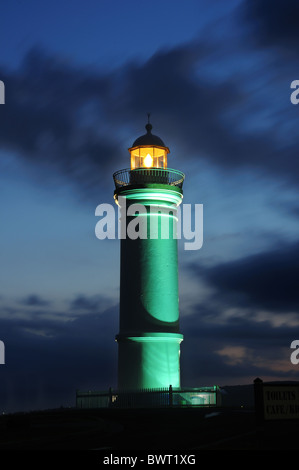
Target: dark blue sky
[{"x": 79, "y": 79}]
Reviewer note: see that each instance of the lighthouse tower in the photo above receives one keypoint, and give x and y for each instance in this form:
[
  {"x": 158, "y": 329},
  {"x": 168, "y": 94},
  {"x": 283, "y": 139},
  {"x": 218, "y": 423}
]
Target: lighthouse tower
[{"x": 148, "y": 194}]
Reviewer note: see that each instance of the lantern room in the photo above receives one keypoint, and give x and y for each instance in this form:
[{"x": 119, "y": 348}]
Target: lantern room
[{"x": 148, "y": 151}]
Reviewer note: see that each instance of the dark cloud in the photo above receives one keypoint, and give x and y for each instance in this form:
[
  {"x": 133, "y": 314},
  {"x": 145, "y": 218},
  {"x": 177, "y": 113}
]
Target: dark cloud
[
  {"x": 52, "y": 120},
  {"x": 34, "y": 300},
  {"x": 268, "y": 280},
  {"x": 88, "y": 304},
  {"x": 46, "y": 360},
  {"x": 275, "y": 23},
  {"x": 236, "y": 348},
  {"x": 78, "y": 123}
]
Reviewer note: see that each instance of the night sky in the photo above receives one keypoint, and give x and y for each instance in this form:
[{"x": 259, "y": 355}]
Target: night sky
[{"x": 80, "y": 77}]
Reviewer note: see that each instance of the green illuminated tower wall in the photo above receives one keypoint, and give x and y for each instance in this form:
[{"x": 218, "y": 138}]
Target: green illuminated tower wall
[{"x": 149, "y": 338}]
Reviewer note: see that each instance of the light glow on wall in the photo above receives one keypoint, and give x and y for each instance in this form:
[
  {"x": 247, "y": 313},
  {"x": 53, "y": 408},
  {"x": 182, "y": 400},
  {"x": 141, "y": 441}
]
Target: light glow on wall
[{"x": 149, "y": 306}]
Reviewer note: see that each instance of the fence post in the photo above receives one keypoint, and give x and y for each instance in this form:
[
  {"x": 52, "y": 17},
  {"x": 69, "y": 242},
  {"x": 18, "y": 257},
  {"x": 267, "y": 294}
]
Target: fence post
[
  {"x": 259, "y": 400},
  {"x": 110, "y": 397},
  {"x": 170, "y": 396}
]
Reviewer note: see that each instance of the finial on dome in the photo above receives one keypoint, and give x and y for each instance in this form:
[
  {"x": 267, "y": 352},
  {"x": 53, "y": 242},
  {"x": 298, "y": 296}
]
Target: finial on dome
[
  {"x": 148, "y": 126},
  {"x": 148, "y": 139}
]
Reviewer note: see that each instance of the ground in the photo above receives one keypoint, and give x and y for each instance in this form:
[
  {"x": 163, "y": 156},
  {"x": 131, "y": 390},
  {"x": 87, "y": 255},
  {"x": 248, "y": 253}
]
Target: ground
[{"x": 109, "y": 431}]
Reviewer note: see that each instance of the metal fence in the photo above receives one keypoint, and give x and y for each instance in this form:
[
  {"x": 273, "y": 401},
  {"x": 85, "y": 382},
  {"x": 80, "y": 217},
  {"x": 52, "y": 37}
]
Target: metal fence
[{"x": 149, "y": 398}]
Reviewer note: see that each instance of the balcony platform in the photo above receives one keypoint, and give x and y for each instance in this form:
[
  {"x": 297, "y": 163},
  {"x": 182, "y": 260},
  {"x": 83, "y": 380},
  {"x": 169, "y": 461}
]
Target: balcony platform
[{"x": 142, "y": 176}]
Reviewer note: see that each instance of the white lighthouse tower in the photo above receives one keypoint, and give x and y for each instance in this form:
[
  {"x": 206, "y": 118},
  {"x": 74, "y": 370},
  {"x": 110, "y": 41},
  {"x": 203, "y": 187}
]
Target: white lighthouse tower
[{"x": 149, "y": 337}]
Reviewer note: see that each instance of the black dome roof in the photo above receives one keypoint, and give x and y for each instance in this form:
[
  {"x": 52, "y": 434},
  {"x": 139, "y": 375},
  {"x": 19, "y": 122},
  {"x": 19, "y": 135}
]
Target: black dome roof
[{"x": 149, "y": 139}]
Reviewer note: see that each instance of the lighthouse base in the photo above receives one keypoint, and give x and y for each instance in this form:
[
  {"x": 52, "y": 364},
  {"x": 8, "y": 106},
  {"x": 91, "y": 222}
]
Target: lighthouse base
[{"x": 149, "y": 360}]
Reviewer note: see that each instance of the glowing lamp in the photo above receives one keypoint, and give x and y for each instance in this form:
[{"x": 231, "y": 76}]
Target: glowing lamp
[
  {"x": 148, "y": 161},
  {"x": 148, "y": 151}
]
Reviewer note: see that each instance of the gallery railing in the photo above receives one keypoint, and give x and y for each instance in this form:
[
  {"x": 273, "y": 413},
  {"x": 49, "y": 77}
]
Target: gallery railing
[{"x": 146, "y": 176}]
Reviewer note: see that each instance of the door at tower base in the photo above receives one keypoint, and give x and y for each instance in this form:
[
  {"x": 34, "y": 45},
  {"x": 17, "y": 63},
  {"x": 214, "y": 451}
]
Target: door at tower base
[{"x": 149, "y": 360}]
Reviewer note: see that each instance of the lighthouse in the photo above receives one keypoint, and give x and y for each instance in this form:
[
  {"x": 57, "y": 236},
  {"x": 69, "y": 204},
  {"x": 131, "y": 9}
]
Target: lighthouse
[{"x": 148, "y": 195}]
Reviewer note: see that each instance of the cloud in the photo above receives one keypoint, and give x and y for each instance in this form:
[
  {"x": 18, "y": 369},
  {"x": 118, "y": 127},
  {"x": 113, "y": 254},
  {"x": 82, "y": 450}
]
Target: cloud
[
  {"x": 234, "y": 354},
  {"x": 245, "y": 324},
  {"x": 219, "y": 350},
  {"x": 46, "y": 360},
  {"x": 81, "y": 302},
  {"x": 52, "y": 119},
  {"x": 78, "y": 123},
  {"x": 49, "y": 356},
  {"x": 268, "y": 280},
  {"x": 34, "y": 300},
  {"x": 275, "y": 23}
]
